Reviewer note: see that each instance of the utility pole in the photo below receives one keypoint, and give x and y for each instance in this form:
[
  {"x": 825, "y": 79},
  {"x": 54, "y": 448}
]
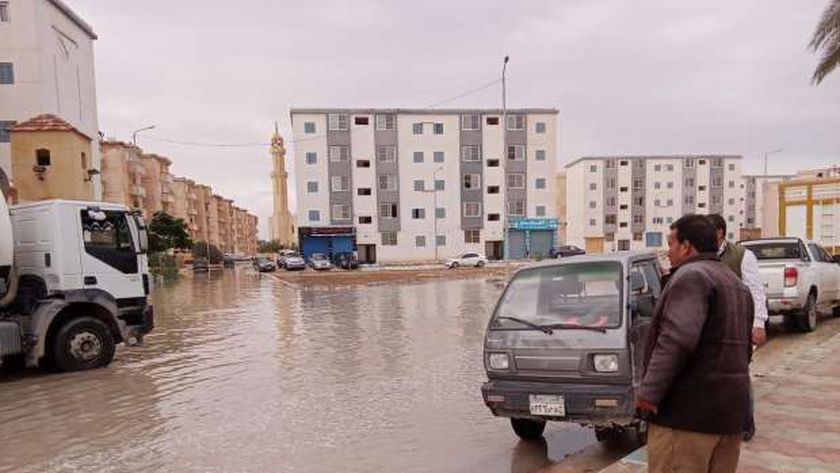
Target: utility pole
[
  {"x": 505, "y": 202},
  {"x": 768, "y": 153}
]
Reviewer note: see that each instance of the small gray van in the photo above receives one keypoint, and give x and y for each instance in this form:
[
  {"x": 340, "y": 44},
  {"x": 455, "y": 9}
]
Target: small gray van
[{"x": 565, "y": 340}]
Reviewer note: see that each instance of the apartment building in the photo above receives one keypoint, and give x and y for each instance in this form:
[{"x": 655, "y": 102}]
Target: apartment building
[
  {"x": 122, "y": 174},
  {"x": 185, "y": 204},
  {"x": 618, "y": 203},
  {"x": 47, "y": 66},
  {"x": 158, "y": 184},
  {"x": 760, "y": 214},
  {"x": 423, "y": 185},
  {"x": 809, "y": 208},
  {"x": 560, "y": 187}
]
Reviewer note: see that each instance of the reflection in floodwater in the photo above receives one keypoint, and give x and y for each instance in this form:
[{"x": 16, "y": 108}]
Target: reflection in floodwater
[{"x": 245, "y": 374}]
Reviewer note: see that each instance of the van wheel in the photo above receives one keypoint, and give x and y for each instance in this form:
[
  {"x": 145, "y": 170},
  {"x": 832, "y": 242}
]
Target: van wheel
[
  {"x": 528, "y": 429},
  {"x": 606, "y": 433},
  {"x": 83, "y": 343},
  {"x": 807, "y": 320}
]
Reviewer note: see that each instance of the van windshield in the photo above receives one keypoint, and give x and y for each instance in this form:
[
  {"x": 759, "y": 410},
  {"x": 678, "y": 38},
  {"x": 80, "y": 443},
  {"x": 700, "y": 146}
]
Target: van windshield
[{"x": 583, "y": 294}]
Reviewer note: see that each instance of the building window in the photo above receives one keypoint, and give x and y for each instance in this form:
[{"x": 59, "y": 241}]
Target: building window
[
  {"x": 689, "y": 162},
  {"x": 492, "y": 163},
  {"x": 438, "y": 156},
  {"x": 417, "y": 128},
  {"x": 717, "y": 162},
  {"x": 639, "y": 201},
  {"x": 593, "y": 186},
  {"x": 610, "y": 237},
  {"x": 472, "y": 236},
  {"x": 657, "y": 202},
  {"x": 387, "y": 210},
  {"x": 361, "y": 120},
  {"x": 471, "y": 153},
  {"x": 658, "y": 220},
  {"x": 7, "y": 73},
  {"x": 669, "y": 220},
  {"x": 516, "y": 181},
  {"x": 701, "y": 205},
  {"x": 701, "y": 188},
  {"x": 637, "y": 236},
  {"x": 730, "y": 218},
  {"x": 419, "y": 185},
  {"x": 420, "y": 241},
  {"x": 623, "y": 224},
  {"x": 611, "y": 202},
  {"x": 339, "y": 153},
  {"x": 539, "y": 183},
  {"x": 363, "y": 163},
  {"x": 689, "y": 199},
  {"x": 472, "y": 181},
  {"x": 386, "y": 154},
  {"x": 338, "y": 121},
  {"x": 669, "y": 167},
  {"x": 639, "y": 163},
  {"x": 610, "y": 164},
  {"x": 657, "y": 168},
  {"x": 717, "y": 182},
  {"x": 492, "y": 120},
  {"x": 637, "y": 218},
  {"x": 492, "y": 189},
  {"x": 670, "y": 202},
  {"x": 314, "y": 216},
  {"x": 418, "y": 214},
  {"x": 593, "y": 204},
  {"x": 701, "y": 162},
  {"x": 670, "y": 185},
  {"x": 622, "y": 207},
  {"x": 515, "y": 122},
  {"x": 438, "y": 128},
  {"x": 516, "y": 208},
  {"x": 638, "y": 184},
  {"x": 363, "y": 191},
  {"x": 623, "y": 189},
  {"x": 341, "y": 212},
  {"x": 440, "y": 213},
  {"x": 386, "y": 122},
  {"x": 516, "y": 152},
  {"x": 418, "y": 156},
  {"x": 311, "y": 157},
  {"x": 656, "y": 185},
  {"x": 540, "y": 127},
  {"x": 389, "y": 238},
  {"x": 731, "y": 201},
  {"x": 4, "y": 130},
  {"x": 611, "y": 183},
  {"x": 541, "y": 211},
  {"x": 440, "y": 184},
  {"x": 689, "y": 182},
  {"x": 610, "y": 219},
  {"x": 472, "y": 209},
  {"x": 440, "y": 240},
  {"x": 312, "y": 187},
  {"x": 340, "y": 183},
  {"x": 470, "y": 122},
  {"x": 4, "y": 12},
  {"x": 493, "y": 217},
  {"x": 539, "y": 155},
  {"x": 623, "y": 163},
  {"x": 593, "y": 168},
  {"x": 388, "y": 182},
  {"x": 715, "y": 199},
  {"x": 42, "y": 157},
  {"x": 592, "y": 222},
  {"x": 309, "y": 127}
]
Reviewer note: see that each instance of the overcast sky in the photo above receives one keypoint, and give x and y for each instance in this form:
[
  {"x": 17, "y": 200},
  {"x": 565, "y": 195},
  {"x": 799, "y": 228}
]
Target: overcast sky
[{"x": 653, "y": 77}]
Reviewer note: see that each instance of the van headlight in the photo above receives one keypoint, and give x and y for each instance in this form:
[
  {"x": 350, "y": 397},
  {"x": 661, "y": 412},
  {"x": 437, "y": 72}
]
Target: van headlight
[
  {"x": 499, "y": 361},
  {"x": 606, "y": 363}
]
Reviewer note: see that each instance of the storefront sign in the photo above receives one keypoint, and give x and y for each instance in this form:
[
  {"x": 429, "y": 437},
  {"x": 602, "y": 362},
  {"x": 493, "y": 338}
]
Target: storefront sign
[{"x": 521, "y": 223}]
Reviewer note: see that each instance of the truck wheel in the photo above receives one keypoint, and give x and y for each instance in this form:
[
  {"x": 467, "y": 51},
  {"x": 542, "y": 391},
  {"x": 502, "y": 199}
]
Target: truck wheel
[
  {"x": 807, "y": 320},
  {"x": 83, "y": 343},
  {"x": 528, "y": 429}
]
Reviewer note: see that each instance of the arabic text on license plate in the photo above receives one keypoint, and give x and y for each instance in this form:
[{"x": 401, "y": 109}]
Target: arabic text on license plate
[{"x": 544, "y": 405}]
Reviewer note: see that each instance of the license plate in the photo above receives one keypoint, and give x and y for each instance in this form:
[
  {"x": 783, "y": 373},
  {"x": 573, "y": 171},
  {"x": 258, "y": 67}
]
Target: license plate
[{"x": 545, "y": 405}]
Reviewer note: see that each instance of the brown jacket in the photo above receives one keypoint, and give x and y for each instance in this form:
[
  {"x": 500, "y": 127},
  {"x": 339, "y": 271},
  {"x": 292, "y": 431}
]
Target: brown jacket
[{"x": 698, "y": 350}]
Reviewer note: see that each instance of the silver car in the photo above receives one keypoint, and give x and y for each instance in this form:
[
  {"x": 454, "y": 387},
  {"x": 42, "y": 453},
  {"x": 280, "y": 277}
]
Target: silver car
[
  {"x": 320, "y": 262},
  {"x": 468, "y": 259}
]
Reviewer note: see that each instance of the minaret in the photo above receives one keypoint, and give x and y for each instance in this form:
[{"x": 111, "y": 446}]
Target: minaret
[{"x": 281, "y": 219}]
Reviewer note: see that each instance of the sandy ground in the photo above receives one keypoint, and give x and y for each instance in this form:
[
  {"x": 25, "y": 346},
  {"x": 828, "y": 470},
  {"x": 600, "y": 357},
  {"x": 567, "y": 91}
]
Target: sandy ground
[{"x": 385, "y": 276}]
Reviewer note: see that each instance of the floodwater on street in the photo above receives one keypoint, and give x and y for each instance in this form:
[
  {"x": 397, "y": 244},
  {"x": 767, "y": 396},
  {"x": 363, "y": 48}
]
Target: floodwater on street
[{"x": 244, "y": 373}]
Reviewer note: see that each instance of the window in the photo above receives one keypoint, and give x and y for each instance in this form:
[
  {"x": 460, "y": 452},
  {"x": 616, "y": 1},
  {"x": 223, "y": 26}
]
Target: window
[
  {"x": 657, "y": 168},
  {"x": 610, "y": 219},
  {"x": 730, "y": 218},
  {"x": 7, "y": 73},
  {"x": 623, "y": 224},
  {"x": 731, "y": 167},
  {"x": 539, "y": 183},
  {"x": 593, "y": 204},
  {"x": 438, "y": 128},
  {"x": 670, "y": 185},
  {"x": 420, "y": 241},
  {"x": 340, "y": 183},
  {"x": 623, "y": 189},
  {"x": 363, "y": 163},
  {"x": 389, "y": 238},
  {"x": 516, "y": 208},
  {"x": 637, "y": 218},
  {"x": 689, "y": 199},
  {"x": 312, "y": 187},
  {"x": 639, "y": 164},
  {"x": 419, "y": 185},
  {"x": 593, "y": 168},
  {"x": 539, "y": 127},
  {"x": 592, "y": 222},
  {"x": 341, "y": 212},
  {"x": 387, "y": 210},
  {"x": 4, "y": 130},
  {"x": 657, "y": 202},
  {"x": 623, "y": 163},
  {"x": 492, "y": 163},
  {"x": 516, "y": 152},
  {"x": 656, "y": 185},
  {"x": 610, "y": 164},
  {"x": 493, "y": 217},
  {"x": 669, "y": 220},
  {"x": 539, "y": 155},
  {"x": 611, "y": 202},
  {"x": 472, "y": 209},
  {"x": 658, "y": 220},
  {"x": 670, "y": 202},
  {"x": 386, "y": 122},
  {"x": 309, "y": 127},
  {"x": 701, "y": 162},
  {"x": 388, "y": 182},
  {"x": 718, "y": 182},
  {"x": 689, "y": 162},
  {"x": 366, "y": 220},
  {"x": 438, "y": 156},
  {"x": 689, "y": 182},
  {"x": 609, "y": 237},
  {"x": 418, "y": 214},
  {"x": 471, "y": 153},
  {"x": 361, "y": 120},
  {"x": 440, "y": 213},
  {"x": 611, "y": 183},
  {"x": 716, "y": 199},
  {"x": 637, "y": 236},
  {"x": 701, "y": 205},
  {"x": 440, "y": 184},
  {"x": 314, "y": 216},
  {"x": 541, "y": 211},
  {"x": 639, "y": 201},
  {"x": 492, "y": 120},
  {"x": 338, "y": 121},
  {"x": 593, "y": 186},
  {"x": 386, "y": 154},
  {"x": 42, "y": 157},
  {"x": 492, "y": 189},
  {"x": 4, "y": 12},
  {"x": 470, "y": 122},
  {"x": 515, "y": 122},
  {"x": 669, "y": 167},
  {"x": 717, "y": 162},
  {"x": 440, "y": 240},
  {"x": 638, "y": 184},
  {"x": 311, "y": 157},
  {"x": 363, "y": 191},
  {"x": 731, "y": 201},
  {"x": 701, "y": 188},
  {"x": 418, "y": 156},
  {"x": 622, "y": 207},
  {"x": 339, "y": 153},
  {"x": 109, "y": 240},
  {"x": 516, "y": 181},
  {"x": 472, "y": 181},
  {"x": 472, "y": 236}
]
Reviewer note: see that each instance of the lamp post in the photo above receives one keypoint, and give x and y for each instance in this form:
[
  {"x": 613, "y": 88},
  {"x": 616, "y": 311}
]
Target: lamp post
[
  {"x": 504, "y": 160},
  {"x": 134, "y": 134},
  {"x": 768, "y": 153}
]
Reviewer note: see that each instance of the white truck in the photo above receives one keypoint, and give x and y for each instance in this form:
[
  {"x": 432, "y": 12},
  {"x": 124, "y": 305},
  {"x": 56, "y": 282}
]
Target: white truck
[
  {"x": 74, "y": 282},
  {"x": 801, "y": 279}
]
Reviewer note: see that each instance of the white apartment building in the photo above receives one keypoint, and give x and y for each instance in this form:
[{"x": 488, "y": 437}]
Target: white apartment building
[
  {"x": 619, "y": 203},
  {"x": 760, "y": 215},
  {"x": 46, "y": 66},
  {"x": 424, "y": 185}
]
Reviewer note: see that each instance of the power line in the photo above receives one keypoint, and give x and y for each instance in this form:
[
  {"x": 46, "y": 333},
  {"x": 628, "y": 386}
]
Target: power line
[{"x": 464, "y": 94}]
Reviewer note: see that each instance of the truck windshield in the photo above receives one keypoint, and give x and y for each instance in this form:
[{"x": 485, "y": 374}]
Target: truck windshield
[
  {"x": 776, "y": 250},
  {"x": 564, "y": 296}
]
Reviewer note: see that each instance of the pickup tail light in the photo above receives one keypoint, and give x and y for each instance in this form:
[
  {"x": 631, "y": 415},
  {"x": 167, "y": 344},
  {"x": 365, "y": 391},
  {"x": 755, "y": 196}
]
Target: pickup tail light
[{"x": 791, "y": 275}]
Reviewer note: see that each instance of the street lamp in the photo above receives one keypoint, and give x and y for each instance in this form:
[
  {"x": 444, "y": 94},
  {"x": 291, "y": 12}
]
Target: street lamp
[
  {"x": 505, "y": 202},
  {"x": 768, "y": 153},
  {"x": 134, "y": 134}
]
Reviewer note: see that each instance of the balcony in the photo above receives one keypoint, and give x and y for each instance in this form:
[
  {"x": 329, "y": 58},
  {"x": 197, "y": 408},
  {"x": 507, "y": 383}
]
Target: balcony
[
  {"x": 136, "y": 167},
  {"x": 137, "y": 191},
  {"x": 168, "y": 198}
]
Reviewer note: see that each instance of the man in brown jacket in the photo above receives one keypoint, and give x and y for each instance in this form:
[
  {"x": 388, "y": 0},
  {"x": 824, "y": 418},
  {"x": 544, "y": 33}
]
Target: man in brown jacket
[{"x": 695, "y": 389}]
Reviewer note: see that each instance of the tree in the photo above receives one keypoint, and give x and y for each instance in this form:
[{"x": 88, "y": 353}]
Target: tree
[
  {"x": 201, "y": 250},
  {"x": 273, "y": 246},
  {"x": 166, "y": 231},
  {"x": 826, "y": 40}
]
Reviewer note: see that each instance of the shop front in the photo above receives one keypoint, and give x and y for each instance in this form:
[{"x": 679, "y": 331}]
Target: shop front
[{"x": 530, "y": 237}]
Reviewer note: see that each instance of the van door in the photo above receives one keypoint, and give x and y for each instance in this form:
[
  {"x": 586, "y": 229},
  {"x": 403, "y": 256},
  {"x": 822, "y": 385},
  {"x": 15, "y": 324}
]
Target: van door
[
  {"x": 644, "y": 298},
  {"x": 110, "y": 254}
]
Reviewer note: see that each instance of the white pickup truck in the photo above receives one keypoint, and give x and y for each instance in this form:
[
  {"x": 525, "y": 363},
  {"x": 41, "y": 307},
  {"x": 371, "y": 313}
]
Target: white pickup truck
[{"x": 801, "y": 279}]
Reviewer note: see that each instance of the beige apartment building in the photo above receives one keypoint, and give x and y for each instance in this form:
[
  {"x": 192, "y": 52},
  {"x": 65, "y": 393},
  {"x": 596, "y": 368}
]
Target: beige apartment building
[
  {"x": 561, "y": 206},
  {"x": 122, "y": 174},
  {"x": 185, "y": 205},
  {"x": 158, "y": 184}
]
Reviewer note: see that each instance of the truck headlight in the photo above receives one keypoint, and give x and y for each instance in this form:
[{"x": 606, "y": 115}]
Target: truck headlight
[
  {"x": 606, "y": 363},
  {"x": 499, "y": 361}
]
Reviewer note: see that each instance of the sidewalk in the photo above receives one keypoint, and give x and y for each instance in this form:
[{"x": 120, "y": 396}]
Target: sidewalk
[{"x": 797, "y": 417}]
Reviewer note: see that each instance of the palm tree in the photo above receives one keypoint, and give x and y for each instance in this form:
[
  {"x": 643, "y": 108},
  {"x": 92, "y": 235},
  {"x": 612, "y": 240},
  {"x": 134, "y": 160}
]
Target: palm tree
[{"x": 827, "y": 40}]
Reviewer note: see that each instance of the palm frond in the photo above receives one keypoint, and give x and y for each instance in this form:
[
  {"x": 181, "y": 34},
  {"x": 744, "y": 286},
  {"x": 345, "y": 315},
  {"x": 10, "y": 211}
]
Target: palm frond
[{"x": 826, "y": 39}]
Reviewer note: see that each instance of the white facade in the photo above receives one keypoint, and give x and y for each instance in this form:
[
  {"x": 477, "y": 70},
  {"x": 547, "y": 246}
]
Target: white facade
[
  {"x": 48, "y": 50},
  {"x": 432, "y": 222}
]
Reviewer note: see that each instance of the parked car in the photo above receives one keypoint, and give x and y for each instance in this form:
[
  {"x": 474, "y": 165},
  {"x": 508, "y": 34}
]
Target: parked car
[
  {"x": 201, "y": 265},
  {"x": 467, "y": 259},
  {"x": 282, "y": 255},
  {"x": 264, "y": 265},
  {"x": 801, "y": 279},
  {"x": 345, "y": 261},
  {"x": 320, "y": 262},
  {"x": 564, "y": 251},
  {"x": 292, "y": 262}
]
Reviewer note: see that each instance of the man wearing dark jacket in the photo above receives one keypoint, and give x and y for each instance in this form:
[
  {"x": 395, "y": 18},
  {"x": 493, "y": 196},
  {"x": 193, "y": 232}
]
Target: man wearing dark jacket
[{"x": 695, "y": 388}]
